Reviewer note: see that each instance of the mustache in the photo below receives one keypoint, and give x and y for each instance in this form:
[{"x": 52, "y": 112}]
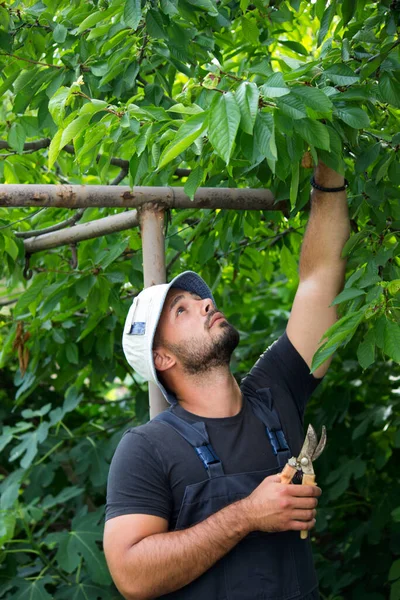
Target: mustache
[{"x": 210, "y": 316}]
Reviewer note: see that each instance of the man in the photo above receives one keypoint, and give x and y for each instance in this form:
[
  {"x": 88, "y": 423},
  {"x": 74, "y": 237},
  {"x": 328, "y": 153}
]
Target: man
[{"x": 195, "y": 506}]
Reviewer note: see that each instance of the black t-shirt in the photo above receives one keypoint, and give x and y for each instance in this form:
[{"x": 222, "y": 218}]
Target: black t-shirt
[{"x": 153, "y": 464}]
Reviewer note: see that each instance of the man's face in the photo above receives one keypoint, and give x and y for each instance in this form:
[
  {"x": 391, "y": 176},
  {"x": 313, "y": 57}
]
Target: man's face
[{"x": 195, "y": 332}]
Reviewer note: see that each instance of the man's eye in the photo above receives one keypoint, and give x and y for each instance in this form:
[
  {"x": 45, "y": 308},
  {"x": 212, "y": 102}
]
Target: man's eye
[{"x": 179, "y": 310}]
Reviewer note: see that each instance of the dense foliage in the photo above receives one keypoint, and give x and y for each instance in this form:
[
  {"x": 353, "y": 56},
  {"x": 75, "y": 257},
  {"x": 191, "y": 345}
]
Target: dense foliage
[{"x": 114, "y": 91}]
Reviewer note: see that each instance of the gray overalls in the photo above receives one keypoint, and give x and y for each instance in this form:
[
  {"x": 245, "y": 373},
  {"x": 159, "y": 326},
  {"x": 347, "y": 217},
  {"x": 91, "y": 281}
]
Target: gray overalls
[{"x": 272, "y": 566}]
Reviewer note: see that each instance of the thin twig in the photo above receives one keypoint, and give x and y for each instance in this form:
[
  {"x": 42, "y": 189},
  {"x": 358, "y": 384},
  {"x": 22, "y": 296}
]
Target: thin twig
[
  {"x": 23, "y": 219},
  {"x": 121, "y": 175},
  {"x": 377, "y": 56},
  {"x": 71, "y": 221},
  {"x": 143, "y": 48},
  {"x": 4, "y": 302},
  {"x": 35, "y": 62}
]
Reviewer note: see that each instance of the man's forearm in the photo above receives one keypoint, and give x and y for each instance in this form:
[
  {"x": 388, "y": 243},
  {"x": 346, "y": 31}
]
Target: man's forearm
[
  {"x": 165, "y": 562},
  {"x": 327, "y": 231}
]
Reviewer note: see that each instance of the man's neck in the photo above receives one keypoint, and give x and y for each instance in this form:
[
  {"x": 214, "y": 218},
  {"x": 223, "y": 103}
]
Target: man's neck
[{"x": 214, "y": 394}]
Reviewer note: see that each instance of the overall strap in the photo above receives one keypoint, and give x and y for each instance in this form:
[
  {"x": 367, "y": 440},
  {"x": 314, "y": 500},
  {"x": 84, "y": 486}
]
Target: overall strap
[
  {"x": 196, "y": 435},
  {"x": 265, "y": 411}
]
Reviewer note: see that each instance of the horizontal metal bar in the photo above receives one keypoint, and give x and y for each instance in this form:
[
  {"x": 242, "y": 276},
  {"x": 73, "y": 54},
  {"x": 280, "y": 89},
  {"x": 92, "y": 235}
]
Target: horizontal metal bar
[
  {"x": 81, "y": 196},
  {"x": 85, "y": 231}
]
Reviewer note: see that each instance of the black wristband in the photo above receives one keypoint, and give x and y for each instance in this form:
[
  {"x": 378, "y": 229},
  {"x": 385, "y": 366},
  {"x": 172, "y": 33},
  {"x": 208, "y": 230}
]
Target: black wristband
[{"x": 324, "y": 189}]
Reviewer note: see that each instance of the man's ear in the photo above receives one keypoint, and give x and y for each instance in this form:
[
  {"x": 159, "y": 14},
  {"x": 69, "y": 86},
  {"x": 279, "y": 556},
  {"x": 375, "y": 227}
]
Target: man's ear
[{"x": 163, "y": 360}]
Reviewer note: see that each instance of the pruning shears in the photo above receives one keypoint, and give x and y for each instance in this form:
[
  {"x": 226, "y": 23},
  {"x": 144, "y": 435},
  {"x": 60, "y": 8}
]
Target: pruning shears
[{"x": 311, "y": 450}]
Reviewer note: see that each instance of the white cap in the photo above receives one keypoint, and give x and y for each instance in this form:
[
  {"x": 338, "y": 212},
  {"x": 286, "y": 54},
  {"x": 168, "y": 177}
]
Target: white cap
[{"x": 142, "y": 320}]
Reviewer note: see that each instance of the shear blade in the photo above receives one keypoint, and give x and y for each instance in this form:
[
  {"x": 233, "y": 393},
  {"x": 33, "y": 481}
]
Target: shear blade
[
  {"x": 310, "y": 443},
  {"x": 321, "y": 444}
]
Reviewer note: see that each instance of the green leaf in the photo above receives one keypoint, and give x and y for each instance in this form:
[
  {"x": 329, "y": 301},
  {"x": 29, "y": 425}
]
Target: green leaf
[
  {"x": 95, "y": 18},
  {"x": 294, "y": 183},
  {"x": 60, "y": 33},
  {"x": 394, "y": 287},
  {"x": 185, "y": 136},
  {"x": 264, "y": 135},
  {"x": 194, "y": 109},
  {"x": 345, "y": 323},
  {"x": 110, "y": 254},
  {"x": 395, "y": 591},
  {"x": 394, "y": 572},
  {"x": 347, "y": 294},
  {"x": 348, "y": 10},
  {"x": 7, "y": 527},
  {"x": 250, "y": 30},
  {"x": 247, "y": 98},
  {"x": 391, "y": 338},
  {"x": 368, "y": 157},
  {"x": 313, "y": 132},
  {"x": 5, "y": 41},
  {"x": 353, "y": 116},
  {"x": 341, "y": 75},
  {"x": 389, "y": 88},
  {"x": 74, "y": 128},
  {"x": 194, "y": 181},
  {"x": 84, "y": 590},
  {"x": 292, "y": 106},
  {"x": 326, "y": 21},
  {"x": 352, "y": 243},
  {"x": 16, "y": 137},
  {"x": 66, "y": 494},
  {"x": 295, "y": 46},
  {"x": 207, "y": 5},
  {"x": 313, "y": 97},
  {"x": 322, "y": 354},
  {"x": 138, "y": 167},
  {"x": 31, "y": 590},
  {"x": 29, "y": 445},
  {"x": 289, "y": 265},
  {"x": 57, "y": 104},
  {"x": 81, "y": 541},
  {"x": 71, "y": 351},
  {"x": 275, "y": 86},
  {"x": 11, "y": 247},
  {"x": 32, "y": 294},
  {"x": 169, "y": 7},
  {"x": 93, "y": 107},
  {"x": 366, "y": 354},
  {"x": 55, "y": 148},
  {"x": 155, "y": 25},
  {"x": 132, "y": 13},
  {"x": 223, "y": 125}
]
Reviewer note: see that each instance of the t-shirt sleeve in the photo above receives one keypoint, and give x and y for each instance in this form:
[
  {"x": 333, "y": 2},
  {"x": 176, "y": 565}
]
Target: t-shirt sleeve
[
  {"x": 137, "y": 483},
  {"x": 281, "y": 364}
]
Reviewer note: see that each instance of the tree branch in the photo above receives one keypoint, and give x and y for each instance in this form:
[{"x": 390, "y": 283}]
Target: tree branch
[
  {"x": 121, "y": 175},
  {"x": 34, "y": 233},
  {"x": 377, "y": 56},
  {"x": 115, "y": 161},
  {"x": 35, "y": 62}
]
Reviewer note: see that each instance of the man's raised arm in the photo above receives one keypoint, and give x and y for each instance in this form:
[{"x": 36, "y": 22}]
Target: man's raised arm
[{"x": 321, "y": 269}]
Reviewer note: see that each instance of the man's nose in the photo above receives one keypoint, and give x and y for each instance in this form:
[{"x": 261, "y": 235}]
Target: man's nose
[{"x": 206, "y": 305}]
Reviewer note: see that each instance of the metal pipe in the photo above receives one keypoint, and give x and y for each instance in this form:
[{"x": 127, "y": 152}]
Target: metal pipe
[
  {"x": 85, "y": 231},
  {"x": 153, "y": 245},
  {"x": 81, "y": 196}
]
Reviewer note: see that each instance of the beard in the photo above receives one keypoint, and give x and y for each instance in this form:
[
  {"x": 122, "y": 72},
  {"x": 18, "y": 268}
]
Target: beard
[{"x": 198, "y": 357}]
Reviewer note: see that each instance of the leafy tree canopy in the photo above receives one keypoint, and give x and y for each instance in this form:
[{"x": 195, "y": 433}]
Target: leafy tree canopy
[{"x": 194, "y": 93}]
